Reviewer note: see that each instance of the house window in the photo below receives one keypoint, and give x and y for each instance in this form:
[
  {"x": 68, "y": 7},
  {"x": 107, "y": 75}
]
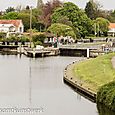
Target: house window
[{"x": 20, "y": 29}]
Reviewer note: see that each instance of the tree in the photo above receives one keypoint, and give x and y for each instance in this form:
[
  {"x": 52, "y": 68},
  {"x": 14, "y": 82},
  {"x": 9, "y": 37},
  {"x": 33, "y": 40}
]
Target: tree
[
  {"x": 26, "y": 20},
  {"x": 61, "y": 29},
  {"x": 102, "y": 25},
  {"x": 111, "y": 16},
  {"x": 47, "y": 11},
  {"x": 39, "y": 39},
  {"x": 64, "y": 20},
  {"x": 79, "y": 19},
  {"x": 93, "y": 9},
  {"x": 10, "y": 9},
  {"x": 90, "y": 10},
  {"x": 39, "y": 4},
  {"x": 18, "y": 8},
  {"x": 27, "y": 7},
  {"x": 11, "y": 15}
]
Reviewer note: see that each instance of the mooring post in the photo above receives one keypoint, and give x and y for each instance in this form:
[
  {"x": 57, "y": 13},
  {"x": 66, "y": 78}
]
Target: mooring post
[
  {"x": 87, "y": 52},
  {"x": 34, "y": 53},
  {"x": 42, "y": 54}
]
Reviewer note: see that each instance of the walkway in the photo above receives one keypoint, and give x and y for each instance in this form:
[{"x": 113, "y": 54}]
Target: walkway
[{"x": 113, "y": 61}]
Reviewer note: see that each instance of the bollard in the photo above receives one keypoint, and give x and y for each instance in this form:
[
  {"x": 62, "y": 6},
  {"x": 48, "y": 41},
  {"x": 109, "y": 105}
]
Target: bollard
[{"x": 87, "y": 52}]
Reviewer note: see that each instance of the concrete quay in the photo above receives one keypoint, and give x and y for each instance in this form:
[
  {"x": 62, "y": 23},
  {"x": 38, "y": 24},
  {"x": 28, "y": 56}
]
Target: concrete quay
[
  {"x": 77, "y": 84},
  {"x": 40, "y": 53}
]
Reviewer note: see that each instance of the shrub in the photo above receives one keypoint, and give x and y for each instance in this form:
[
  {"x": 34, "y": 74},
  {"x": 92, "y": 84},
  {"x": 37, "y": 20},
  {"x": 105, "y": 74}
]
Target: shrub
[
  {"x": 2, "y": 35},
  {"x": 37, "y": 43},
  {"x": 11, "y": 39},
  {"x": 39, "y": 39},
  {"x": 106, "y": 95},
  {"x": 24, "y": 39}
]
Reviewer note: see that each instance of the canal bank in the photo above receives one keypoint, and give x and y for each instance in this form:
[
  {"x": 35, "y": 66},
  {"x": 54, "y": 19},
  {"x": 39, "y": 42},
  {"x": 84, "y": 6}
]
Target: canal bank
[
  {"x": 78, "y": 84},
  {"x": 106, "y": 93},
  {"x": 88, "y": 76}
]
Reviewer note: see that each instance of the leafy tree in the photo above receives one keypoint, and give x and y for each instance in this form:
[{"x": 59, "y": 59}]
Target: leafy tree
[
  {"x": 10, "y": 9},
  {"x": 39, "y": 4},
  {"x": 93, "y": 9},
  {"x": 61, "y": 29},
  {"x": 101, "y": 25},
  {"x": 64, "y": 20},
  {"x": 39, "y": 26},
  {"x": 90, "y": 10},
  {"x": 18, "y": 8},
  {"x": 11, "y": 15},
  {"x": 36, "y": 12},
  {"x": 47, "y": 11},
  {"x": 79, "y": 19},
  {"x": 26, "y": 20},
  {"x": 27, "y": 7},
  {"x": 111, "y": 16}
]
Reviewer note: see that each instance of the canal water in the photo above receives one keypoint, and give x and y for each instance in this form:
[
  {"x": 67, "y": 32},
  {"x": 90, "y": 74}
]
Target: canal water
[{"x": 28, "y": 84}]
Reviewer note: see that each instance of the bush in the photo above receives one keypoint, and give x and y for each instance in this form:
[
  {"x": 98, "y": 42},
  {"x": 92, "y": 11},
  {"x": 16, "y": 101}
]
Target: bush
[
  {"x": 2, "y": 35},
  {"x": 106, "y": 95},
  {"x": 37, "y": 43},
  {"x": 11, "y": 39},
  {"x": 39, "y": 39},
  {"x": 24, "y": 39}
]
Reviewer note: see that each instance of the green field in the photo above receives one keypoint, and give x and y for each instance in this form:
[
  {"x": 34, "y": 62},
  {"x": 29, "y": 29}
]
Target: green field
[{"x": 95, "y": 72}]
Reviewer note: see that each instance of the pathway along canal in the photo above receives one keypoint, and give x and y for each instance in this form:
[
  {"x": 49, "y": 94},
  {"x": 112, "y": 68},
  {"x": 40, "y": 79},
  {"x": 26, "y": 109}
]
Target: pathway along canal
[{"x": 36, "y": 83}]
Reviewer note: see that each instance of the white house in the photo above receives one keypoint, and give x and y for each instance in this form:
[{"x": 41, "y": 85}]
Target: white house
[
  {"x": 11, "y": 26},
  {"x": 111, "y": 29}
]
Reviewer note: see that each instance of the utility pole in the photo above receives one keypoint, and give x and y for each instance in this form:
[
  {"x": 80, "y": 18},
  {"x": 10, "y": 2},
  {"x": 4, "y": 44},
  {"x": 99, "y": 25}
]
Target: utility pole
[
  {"x": 30, "y": 25},
  {"x": 95, "y": 29},
  {"x": 98, "y": 29}
]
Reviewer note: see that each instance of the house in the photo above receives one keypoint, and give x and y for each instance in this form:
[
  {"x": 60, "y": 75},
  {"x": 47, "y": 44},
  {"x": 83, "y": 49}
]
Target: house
[
  {"x": 11, "y": 26},
  {"x": 111, "y": 29}
]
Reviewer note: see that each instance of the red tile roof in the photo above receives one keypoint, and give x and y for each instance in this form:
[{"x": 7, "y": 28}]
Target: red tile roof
[
  {"x": 111, "y": 25},
  {"x": 14, "y": 22}
]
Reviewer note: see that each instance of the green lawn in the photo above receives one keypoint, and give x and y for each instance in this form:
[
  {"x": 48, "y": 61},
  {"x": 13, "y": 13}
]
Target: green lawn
[{"x": 95, "y": 72}]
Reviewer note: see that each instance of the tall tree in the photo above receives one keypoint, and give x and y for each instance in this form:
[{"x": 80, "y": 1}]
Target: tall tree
[
  {"x": 27, "y": 7},
  {"x": 10, "y": 9},
  {"x": 39, "y": 4},
  {"x": 61, "y": 29},
  {"x": 47, "y": 11},
  {"x": 93, "y": 9},
  {"x": 18, "y": 8},
  {"x": 102, "y": 25},
  {"x": 90, "y": 10},
  {"x": 26, "y": 20},
  {"x": 79, "y": 19}
]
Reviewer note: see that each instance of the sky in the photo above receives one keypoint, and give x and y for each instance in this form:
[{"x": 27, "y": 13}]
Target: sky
[{"x": 4, "y": 4}]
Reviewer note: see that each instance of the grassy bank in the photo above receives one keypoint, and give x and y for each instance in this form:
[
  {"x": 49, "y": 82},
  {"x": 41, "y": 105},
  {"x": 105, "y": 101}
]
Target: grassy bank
[{"x": 95, "y": 72}]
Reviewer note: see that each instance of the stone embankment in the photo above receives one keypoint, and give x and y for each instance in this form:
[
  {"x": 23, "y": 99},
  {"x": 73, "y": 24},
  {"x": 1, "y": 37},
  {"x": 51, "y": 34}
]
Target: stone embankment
[{"x": 71, "y": 80}]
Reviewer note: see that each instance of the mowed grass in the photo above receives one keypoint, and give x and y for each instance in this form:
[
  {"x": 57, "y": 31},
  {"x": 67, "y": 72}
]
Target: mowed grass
[{"x": 95, "y": 72}]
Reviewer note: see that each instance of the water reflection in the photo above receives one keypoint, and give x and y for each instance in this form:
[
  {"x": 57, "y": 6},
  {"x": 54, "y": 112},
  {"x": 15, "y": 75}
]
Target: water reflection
[
  {"x": 102, "y": 110},
  {"x": 27, "y": 82}
]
